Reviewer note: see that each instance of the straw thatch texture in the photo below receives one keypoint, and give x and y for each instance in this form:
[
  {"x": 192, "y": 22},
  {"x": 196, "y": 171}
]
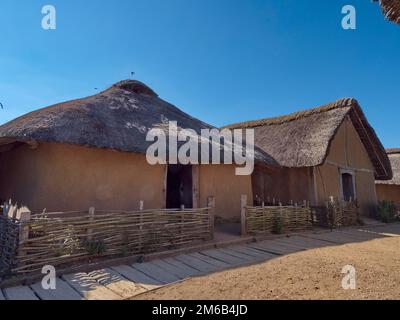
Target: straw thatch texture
[
  {"x": 394, "y": 157},
  {"x": 303, "y": 139},
  {"x": 391, "y": 10},
  {"x": 118, "y": 118}
]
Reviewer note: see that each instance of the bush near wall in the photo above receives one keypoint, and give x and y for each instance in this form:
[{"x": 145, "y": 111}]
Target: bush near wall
[{"x": 388, "y": 211}]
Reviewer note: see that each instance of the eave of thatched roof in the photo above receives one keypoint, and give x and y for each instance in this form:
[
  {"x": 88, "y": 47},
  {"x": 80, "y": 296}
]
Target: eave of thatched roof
[
  {"x": 118, "y": 118},
  {"x": 391, "y": 10},
  {"x": 303, "y": 139},
  {"x": 394, "y": 157}
]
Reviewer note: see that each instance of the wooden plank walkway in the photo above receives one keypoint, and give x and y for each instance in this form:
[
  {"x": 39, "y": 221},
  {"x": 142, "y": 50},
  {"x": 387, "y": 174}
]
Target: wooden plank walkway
[{"x": 126, "y": 281}]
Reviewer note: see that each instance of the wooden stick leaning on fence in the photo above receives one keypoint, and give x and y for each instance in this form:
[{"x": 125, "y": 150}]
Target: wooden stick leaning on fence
[
  {"x": 211, "y": 208},
  {"x": 243, "y": 205},
  {"x": 24, "y": 218},
  {"x": 141, "y": 208},
  {"x": 91, "y": 219}
]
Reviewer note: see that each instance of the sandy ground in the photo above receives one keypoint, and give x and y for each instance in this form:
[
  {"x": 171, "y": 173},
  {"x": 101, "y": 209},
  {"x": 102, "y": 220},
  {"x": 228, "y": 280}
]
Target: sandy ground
[{"x": 313, "y": 274}]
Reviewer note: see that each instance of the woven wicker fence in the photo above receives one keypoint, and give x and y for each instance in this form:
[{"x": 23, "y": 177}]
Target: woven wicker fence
[
  {"x": 277, "y": 219},
  {"x": 9, "y": 230},
  {"x": 64, "y": 239},
  {"x": 337, "y": 214}
]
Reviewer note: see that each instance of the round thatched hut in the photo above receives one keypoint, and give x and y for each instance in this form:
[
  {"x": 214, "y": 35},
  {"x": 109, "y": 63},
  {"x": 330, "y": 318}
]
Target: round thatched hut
[
  {"x": 390, "y": 190},
  {"x": 91, "y": 152},
  {"x": 391, "y": 9}
]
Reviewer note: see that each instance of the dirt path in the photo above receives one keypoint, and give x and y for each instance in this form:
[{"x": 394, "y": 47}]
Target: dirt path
[{"x": 313, "y": 274}]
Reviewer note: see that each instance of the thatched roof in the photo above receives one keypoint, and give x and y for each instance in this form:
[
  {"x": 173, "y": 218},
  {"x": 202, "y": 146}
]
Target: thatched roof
[
  {"x": 394, "y": 157},
  {"x": 118, "y": 118},
  {"x": 303, "y": 139},
  {"x": 391, "y": 9}
]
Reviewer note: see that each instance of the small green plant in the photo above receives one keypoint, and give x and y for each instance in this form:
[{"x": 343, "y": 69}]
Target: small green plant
[
  {"x": 278, "y": 225},
  {"x": 95, "y": 247},
  {"x": 387, "y": 212}
]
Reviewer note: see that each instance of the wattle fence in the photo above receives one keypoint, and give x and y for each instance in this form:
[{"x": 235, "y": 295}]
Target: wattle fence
[
  {"x": 342, "y": 213},
  {"x": 9, "y": 234},
  {"x": 70, "y": 238},
  {"x": 296, "y": 218},
  {"x": 277, "y": 219}
]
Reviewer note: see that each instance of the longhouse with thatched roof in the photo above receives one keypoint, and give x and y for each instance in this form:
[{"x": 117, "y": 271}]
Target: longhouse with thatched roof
[
  {"x": 390, "y": 190},
  {"x": 91, "y": 152},
  {"x": 329, "y": 151}
]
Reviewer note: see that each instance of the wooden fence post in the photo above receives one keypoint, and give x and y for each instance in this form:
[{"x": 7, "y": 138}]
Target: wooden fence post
[
  {"x": 195, "y": 186},
  {"x": 6, "y": 208},
  {"x": 141, "y": 208},
  {"x": 92, "y": 211},
  {"x": 243, "y": 205},
  {"x": 24, "y": 218},
  {"x": 211, "y": 206},
  {"x": 263, "y": 215},
  {"x": 182, "y": 224}
]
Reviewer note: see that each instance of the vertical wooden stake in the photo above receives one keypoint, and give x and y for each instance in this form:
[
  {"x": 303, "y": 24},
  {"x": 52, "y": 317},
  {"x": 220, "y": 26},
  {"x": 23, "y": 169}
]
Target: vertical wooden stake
[
  {"x": 243, "y": 205},
  {"x": 195, "y": 186},
  {"x": 211, "y": 208},
  {"x": 91, "y": 219},
  {"x": 24, "y": 218},
  {"x": 164, "y": 189},
  {"x": 182, "y": 228},
  {"x": 141, "y": 208},
  {"x": 263, "y": 214}
]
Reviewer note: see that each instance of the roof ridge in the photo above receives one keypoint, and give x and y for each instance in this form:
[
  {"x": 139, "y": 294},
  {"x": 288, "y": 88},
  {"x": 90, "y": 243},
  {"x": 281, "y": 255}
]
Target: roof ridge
[
  {"x": 393, "y": 151},
  {"x": 341, "y": 103},
  {"x": 135, "y": 86}
]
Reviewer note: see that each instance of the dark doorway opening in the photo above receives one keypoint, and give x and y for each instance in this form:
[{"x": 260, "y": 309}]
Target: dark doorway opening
[
  {"x": 179, "y": 186},
  {"x": 348, "y": 187}
]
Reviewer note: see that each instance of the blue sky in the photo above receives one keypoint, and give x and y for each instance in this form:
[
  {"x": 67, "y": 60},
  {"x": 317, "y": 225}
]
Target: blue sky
[{"x": 222, "y": 61}]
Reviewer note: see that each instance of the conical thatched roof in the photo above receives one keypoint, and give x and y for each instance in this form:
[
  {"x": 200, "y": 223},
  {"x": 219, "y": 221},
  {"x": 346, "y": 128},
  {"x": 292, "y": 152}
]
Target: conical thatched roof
[
  {"x": 394, "y": 157},
  {"x": 118, "y": 118},
  {"x": 303, "y": 139},
  {"x": 391, "y": 9}
]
